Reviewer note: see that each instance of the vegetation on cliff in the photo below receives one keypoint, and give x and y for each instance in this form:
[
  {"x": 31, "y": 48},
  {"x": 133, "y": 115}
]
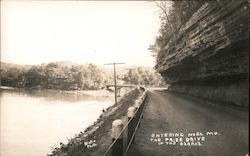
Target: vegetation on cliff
[{"x": 173, "y": 14}]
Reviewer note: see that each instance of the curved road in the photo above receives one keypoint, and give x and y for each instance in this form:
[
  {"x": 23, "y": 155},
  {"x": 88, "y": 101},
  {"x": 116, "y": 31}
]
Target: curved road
[{"x": 169, "y": 118}]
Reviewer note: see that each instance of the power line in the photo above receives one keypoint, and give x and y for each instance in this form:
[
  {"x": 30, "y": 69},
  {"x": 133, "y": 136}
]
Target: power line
[{"x": 115, "y": 77}]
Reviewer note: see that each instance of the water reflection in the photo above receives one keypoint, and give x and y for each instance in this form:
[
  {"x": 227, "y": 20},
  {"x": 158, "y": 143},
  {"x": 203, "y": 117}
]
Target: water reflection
[
  {"x": 33, "y": 121},
  {"x": 58, "y": 95}
]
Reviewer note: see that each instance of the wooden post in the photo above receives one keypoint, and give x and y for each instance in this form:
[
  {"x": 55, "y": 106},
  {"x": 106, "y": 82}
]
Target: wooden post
[
  {"x": 114, "y": 78},
  {"x": 131, "y": 112},
  {"x": 117, "y": 149},
  {"x": 131, "y": 125},
  {"x": 137, "y": 104},
  {"x": 143, "y": 98},
  {"x": 115, "y": 85}
]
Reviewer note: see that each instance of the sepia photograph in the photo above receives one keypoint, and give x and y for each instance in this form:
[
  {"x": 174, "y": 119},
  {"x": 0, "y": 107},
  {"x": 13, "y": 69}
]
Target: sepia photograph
[{"x": 124, "y": 78}]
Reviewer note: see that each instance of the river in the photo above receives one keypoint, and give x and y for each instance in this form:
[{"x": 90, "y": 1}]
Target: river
[{"x": 32, "y": 122}]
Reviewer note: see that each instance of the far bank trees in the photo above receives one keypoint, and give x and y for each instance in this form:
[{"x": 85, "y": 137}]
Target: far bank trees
[
  {"x": 143, "y": 76},
  {"x": 54, "y": 76}
]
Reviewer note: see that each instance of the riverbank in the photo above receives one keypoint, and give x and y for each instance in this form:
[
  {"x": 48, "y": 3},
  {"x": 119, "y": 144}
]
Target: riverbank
[
  {"x": 6, "y": 88},
  {"x": 98, "y": 93},
  {"x": 96, "y": 139},
  {"x": 33, "y": 121}
]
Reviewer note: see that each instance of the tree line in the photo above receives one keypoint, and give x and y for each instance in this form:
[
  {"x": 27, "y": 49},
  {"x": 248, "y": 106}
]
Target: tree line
[
  {"x": 143, "y": 76},
  {"x": 54, "y": 76},
  {"x": 69, "y": 76}
]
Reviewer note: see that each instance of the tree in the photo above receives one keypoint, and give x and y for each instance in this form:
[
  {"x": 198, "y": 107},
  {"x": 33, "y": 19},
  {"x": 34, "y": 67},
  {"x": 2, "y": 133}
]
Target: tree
[
  {"x": 142, "y": 76},
  {"x": 53, "y": 76},
  {"x": 173, "y": 14},
  {"x": 34, "y": 77}
]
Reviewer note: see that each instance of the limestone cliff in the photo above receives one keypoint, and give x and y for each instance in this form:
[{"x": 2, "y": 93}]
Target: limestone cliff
[{"x": 209, "y": 56}]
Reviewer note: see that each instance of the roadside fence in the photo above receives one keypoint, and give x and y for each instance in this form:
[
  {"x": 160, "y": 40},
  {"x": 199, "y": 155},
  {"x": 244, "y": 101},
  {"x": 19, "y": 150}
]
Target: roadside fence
[{"x": 124, "y": 135}]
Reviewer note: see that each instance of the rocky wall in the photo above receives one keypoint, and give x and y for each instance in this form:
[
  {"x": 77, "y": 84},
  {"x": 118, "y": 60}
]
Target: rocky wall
[{"x": 210, "y": 52}]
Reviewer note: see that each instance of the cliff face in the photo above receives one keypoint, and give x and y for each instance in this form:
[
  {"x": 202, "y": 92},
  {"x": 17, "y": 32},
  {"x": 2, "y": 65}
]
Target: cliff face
[{"x": 210, "y": 53}]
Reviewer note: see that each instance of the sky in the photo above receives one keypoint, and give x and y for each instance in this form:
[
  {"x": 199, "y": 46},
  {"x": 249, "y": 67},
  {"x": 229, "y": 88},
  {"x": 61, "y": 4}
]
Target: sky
[{"x": 35, "y": 32}]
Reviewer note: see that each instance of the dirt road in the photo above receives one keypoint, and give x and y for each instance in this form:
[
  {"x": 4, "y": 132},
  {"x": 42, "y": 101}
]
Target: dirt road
[{"x": 168, "y": 115}]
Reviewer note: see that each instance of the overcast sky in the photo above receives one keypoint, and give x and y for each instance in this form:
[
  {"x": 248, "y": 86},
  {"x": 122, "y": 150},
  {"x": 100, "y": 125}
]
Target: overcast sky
[{"x": 35, "y": 32}]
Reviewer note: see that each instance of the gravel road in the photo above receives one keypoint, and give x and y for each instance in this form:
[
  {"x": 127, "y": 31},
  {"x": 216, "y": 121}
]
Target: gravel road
[{"x": 219, "y": 130}]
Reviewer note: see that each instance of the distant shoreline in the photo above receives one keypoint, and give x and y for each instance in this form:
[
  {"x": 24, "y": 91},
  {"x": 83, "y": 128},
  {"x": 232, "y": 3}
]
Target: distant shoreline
[
  {"x": 7, "y": 88},
  {"x": 97, "y": 92}
]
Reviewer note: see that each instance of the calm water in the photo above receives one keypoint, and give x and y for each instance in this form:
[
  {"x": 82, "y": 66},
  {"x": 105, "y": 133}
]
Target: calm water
[{"x": 34, "y": 121}]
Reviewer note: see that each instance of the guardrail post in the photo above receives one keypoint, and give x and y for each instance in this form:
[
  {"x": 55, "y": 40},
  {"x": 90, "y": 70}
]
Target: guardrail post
[
  {"x": 142, "y": 102},
  {"x": 117, "y": 149},
  {"x": 132, "y": 124},
  {"x": 137, "y": 106}
]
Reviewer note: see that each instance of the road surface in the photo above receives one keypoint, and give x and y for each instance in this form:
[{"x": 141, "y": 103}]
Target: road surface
[{"x": 219, "y": 130}]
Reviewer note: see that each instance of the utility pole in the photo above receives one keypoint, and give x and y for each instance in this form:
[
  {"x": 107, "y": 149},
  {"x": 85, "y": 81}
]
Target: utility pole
[{"x": 114, "y": 78}]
